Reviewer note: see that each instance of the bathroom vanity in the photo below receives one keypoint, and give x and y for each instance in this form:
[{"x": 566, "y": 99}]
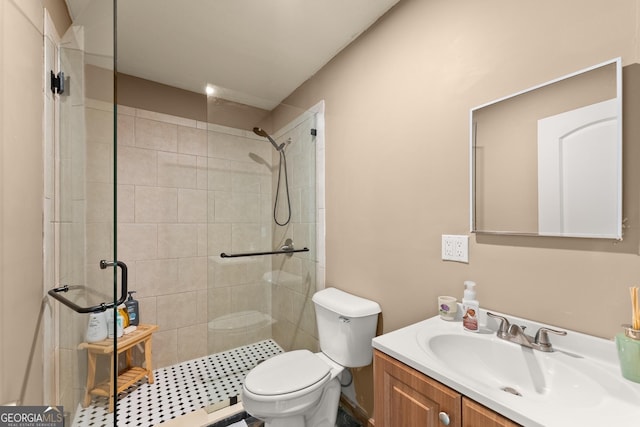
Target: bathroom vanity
[{"x": 435, "y": 371}]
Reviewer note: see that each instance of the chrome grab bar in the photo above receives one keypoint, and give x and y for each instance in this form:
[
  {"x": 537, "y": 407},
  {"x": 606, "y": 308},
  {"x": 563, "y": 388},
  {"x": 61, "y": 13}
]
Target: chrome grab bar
[
  {"x": 287, "y": 249},
  {"x": 56, "y": 292}
]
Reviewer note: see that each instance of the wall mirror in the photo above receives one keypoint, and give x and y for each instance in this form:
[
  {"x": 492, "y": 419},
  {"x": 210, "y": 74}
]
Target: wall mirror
[{"x": 547, "y": 161}]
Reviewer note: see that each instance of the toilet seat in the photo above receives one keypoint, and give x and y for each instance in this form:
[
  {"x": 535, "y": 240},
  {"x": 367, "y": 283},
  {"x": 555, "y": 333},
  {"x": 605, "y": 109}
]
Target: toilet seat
[{"x": 287, "y": 375}]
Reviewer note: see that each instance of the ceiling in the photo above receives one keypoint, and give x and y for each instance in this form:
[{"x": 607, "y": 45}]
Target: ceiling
[{"x": 254, "y": 52}]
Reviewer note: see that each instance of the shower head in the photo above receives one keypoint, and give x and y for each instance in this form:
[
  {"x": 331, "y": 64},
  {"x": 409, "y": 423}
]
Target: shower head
[{"x": 261, "y": 132}]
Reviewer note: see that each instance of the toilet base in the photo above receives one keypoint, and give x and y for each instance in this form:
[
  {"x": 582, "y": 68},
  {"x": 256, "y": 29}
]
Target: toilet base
[
  {"x": 286, "y": 422},
  {"x": 324, "y": 414}
]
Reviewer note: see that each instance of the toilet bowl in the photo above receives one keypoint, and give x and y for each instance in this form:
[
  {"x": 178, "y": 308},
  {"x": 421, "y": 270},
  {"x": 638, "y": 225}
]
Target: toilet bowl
[
  {"x": 283, "y": 390},
  {"x": 302, "y": 389}
]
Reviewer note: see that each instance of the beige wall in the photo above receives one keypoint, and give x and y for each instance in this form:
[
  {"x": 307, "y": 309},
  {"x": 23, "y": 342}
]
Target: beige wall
[
  {"x": 147, "y": 95},
  {"x": 21, "y": 191},
  {"x": 397, "y": 108},
  {"x": 21, "y": 195}
]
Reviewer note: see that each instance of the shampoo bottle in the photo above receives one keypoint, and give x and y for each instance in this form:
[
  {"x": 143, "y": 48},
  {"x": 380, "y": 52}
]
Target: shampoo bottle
[
  {"x": 133, "y": 309},
  {"x": 470, "y": 307}
]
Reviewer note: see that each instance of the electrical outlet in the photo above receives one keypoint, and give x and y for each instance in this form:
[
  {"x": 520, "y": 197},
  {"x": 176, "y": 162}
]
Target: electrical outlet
[
  {"x": 455, "y": 248},
  {"x": 447, "y": 247}
]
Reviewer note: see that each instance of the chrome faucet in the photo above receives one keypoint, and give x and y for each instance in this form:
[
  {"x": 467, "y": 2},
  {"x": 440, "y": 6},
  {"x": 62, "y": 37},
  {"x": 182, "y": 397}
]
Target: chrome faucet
[{"x": 516, "y": 334}]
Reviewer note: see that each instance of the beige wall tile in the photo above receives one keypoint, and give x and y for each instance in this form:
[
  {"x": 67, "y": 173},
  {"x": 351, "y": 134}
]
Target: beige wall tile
[
  {"x": 157, "y": 277},
  {"x": 126, "y": 128},
  {"x": 202, "y": 239},
  {"x": 165, "y": 348},
  {"x": 192, "y": 273},
  {"x": 137, "y": 242},
  {"x": 218, "y": 301},
  {"x": 166, "y": 118},
  {"x": 250, "y": 237},
  {"x": 137, "y": 166},
  {"x": 203, "y": 306},
  {"x": 176, "y": 310},
  {"x": 99, "y": 163},
  {"x": 253, "y": 296},
  {"x": 219, "y": 238},
  {"x": 218, "y": 177},
  {"x": 126, "y": 203},
  {"x": 99, "y": 127},
  {"x": 147, "y": 309},
  {"x": 156, "y": 135},
  {"x": 192, "y": 342},
  {"x": 237, "y": 207},
  {"x": 192, "y": 141},
  {"x": 100, "y": 206},
  {"x": 177, "y": 240},
  {"x": 99, "y": 243},
  {"x": 156, "y": 204},
  {"x": 177, "y": 170},
  {"x": 202, "y": 173},
  {"x": 229, "y": 272},
  {"x": 192, "y": 206}
]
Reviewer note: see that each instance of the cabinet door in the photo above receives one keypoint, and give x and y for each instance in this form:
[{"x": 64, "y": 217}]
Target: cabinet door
[
  {"x": 405, "y": 397},
  {"x": 476, "y": 415}
]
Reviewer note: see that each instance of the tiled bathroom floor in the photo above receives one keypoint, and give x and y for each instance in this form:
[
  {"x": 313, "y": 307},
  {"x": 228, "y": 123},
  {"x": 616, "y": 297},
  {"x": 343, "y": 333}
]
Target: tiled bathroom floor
[{"x": 179, "y": 389}]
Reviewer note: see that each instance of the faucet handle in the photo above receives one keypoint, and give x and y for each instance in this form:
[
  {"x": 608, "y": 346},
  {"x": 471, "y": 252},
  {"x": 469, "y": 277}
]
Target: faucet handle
[
  {"x": 503, "y": 329},
  {"x": 542, "y": 337}
]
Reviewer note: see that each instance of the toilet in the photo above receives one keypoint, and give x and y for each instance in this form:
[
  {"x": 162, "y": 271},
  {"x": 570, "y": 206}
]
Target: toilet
[{"x": 302, "y": 389}]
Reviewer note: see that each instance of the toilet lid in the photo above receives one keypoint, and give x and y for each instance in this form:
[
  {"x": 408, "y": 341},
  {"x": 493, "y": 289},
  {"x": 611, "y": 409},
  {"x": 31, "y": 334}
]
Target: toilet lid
[{"x": 286, "y": 373}]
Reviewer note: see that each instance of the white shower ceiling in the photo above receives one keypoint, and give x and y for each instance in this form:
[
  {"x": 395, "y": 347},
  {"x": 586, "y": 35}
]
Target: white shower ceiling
[{"x": 255, "y": 52}]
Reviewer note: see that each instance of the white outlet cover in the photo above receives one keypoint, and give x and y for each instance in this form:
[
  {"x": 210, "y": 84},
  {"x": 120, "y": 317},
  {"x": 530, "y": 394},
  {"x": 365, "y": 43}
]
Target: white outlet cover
[{"x": 455, "y": 248}]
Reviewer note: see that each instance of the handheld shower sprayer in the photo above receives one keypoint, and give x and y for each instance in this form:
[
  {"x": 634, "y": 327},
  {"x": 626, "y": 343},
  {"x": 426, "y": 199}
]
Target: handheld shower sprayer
[
  {"x": 283, "y": 162},
  {"x": 261, "y": 132}
]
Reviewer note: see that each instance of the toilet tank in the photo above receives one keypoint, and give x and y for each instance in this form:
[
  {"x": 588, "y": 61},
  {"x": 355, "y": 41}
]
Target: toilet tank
[{"x": 346, "y": 326}]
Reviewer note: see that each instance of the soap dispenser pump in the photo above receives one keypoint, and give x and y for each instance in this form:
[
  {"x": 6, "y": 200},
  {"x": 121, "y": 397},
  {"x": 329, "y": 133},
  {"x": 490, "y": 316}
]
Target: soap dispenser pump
[
  {"x": 470, "y": 307},
  {"x": 133, "y": 309}
]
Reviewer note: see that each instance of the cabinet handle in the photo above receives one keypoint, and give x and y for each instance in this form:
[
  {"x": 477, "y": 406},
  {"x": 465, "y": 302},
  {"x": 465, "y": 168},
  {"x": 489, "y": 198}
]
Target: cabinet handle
[{"x": 444, "y": 418}]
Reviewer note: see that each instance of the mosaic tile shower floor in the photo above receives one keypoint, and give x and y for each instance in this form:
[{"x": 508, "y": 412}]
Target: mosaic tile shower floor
[{"x": 179, "y": 389}]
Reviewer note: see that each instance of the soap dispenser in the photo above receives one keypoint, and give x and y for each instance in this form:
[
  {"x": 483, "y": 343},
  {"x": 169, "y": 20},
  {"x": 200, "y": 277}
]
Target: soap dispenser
[
  {"x": 133, "y": 309},
  {"x": 470, "y": 307}
]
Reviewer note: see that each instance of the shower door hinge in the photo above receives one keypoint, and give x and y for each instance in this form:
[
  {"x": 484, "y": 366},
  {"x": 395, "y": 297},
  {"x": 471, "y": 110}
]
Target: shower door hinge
[{"x": 57, "y": 83}]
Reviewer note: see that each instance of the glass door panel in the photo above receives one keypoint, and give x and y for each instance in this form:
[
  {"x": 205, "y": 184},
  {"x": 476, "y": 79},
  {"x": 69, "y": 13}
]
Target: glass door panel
[{"x": 85, "y": 209}]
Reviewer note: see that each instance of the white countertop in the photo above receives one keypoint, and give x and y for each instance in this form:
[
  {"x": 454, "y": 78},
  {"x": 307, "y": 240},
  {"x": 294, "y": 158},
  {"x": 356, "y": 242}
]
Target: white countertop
[{"x": 604, "y": 398}]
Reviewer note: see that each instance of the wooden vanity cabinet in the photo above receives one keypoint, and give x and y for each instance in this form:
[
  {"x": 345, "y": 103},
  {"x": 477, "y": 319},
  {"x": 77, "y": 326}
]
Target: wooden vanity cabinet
[
  {"x": 404, "y": 397},
  {"x": 476, "y": 415}
]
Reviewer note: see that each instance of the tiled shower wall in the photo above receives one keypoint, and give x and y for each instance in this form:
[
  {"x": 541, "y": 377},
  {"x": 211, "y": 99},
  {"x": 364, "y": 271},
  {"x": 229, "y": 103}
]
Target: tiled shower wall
[{"x": 186, "y": 194}]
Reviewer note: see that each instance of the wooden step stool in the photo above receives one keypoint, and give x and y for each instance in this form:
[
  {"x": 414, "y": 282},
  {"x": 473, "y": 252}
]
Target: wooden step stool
[{"x": 142, "y": 335}]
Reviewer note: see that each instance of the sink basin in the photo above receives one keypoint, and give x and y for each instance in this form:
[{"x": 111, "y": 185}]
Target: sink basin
[
  {"x": 495, "y": 364},
  {"x": 578, "y": 384}
]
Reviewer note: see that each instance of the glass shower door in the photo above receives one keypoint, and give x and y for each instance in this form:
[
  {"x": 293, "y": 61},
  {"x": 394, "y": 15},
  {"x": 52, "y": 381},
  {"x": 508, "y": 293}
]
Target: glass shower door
[
  {"x": 262, "y": 215},
  {"x": 87, "y": 277}
]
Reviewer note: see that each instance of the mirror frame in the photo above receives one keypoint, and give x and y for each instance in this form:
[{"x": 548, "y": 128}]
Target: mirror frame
[{"x": 617, "y": 235}]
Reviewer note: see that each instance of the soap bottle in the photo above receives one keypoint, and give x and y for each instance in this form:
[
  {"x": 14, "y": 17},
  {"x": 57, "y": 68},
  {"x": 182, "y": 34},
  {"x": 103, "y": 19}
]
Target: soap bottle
[
  {"x": 133, "y": 309},
  {"x": 97, "y": 327},
  {"x": 470, "y": 308}
]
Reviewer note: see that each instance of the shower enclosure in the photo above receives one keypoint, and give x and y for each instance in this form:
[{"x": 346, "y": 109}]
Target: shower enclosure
[{"x": 168, "y": 195}]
